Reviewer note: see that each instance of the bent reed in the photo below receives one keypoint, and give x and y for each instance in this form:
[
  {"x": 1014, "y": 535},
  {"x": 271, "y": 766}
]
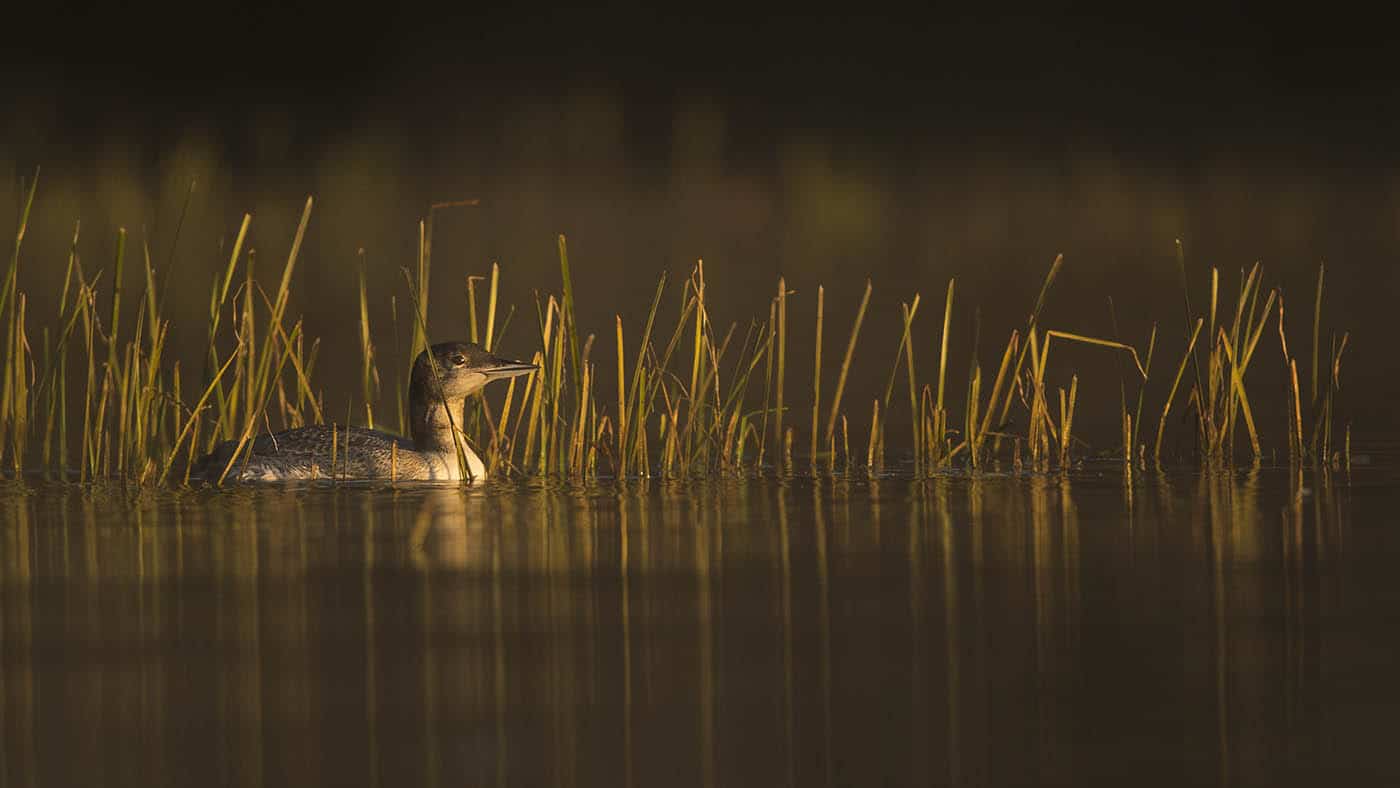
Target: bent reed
[{"x": 686, "y": 394}]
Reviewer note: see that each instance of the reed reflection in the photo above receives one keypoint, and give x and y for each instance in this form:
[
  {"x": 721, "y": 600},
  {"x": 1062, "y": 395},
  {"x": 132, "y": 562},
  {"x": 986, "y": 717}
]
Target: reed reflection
[{"x": 949, "y": 630}]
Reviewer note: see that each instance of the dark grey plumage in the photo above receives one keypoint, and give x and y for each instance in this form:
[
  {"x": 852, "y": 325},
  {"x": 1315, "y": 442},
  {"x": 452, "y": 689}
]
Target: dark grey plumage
[
  {"x": 436, "y": 388},
  {"x": 307, "y": 453}
]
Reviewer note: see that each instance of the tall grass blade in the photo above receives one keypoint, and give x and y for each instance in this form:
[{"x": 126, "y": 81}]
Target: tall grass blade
[
  {"x": 943, "y": 346},
  {"x": 369, "y": 375},
  {"x": 915, "y": 414},
  {"x": 1176, "y": 382},
  {"x": 1317, "y": 333},
  {"x": 491, "y": 306},
  {"x": 782, "y": 363},
  {"x": 568, "y": 321},
  {"x": 817, "y": 374},
  {"x": 7, "y": 290},
  {"x": 846, "y": 361}
]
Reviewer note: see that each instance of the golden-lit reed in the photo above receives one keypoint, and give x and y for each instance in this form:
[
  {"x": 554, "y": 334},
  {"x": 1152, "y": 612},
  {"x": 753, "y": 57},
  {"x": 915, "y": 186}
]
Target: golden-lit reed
[
  {"x": 140, "y": 421},
  {"x": 1218, "y": 400},
  {"x": 1314, "y": 445}
]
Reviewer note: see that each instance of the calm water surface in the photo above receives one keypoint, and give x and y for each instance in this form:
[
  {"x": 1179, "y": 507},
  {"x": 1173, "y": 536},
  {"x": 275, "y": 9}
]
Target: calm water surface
[{"x": 1175, "y": 629}]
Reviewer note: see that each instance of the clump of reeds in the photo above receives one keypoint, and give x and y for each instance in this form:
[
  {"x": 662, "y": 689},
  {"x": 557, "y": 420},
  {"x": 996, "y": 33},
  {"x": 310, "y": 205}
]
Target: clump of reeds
[
  {"x": 685, "y": 398},
  {"x": 1310, "y": 437},
  {"x": 1216, "y": 395}
]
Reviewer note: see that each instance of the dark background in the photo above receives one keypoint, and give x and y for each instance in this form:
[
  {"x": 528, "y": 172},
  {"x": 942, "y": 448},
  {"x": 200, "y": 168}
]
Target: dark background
[
  {"x": 826, "y": 148},
  {"x": 1172, "y": 83}
]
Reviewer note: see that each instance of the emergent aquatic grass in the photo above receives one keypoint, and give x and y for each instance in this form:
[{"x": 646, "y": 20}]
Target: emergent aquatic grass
[{"x": 140, "y": 419}]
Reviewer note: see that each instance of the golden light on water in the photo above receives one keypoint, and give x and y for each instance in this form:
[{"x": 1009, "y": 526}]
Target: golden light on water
[{"x": 781, "y": 632}]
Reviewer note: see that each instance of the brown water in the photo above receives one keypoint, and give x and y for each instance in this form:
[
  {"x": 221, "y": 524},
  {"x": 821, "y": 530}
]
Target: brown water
[{"x": 1180, "y": 629}]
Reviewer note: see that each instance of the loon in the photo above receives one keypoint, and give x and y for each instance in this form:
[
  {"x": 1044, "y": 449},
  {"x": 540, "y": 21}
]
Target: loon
[{"x": 463, "y": 369}]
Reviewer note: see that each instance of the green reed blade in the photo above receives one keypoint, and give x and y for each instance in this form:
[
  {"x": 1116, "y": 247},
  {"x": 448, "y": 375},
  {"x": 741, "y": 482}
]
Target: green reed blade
[
  {"x": 247, "y": 372},
  {"x": 283, "y": 293},
  {"x": 1238, "y": 383},
  {"x": 1055, "y": 266},
  {"x": 217, "y": 305},
  {"x": 1317, "y": 333},
  {"x": 568, "y": 319},
  {"x": 47, "y": 452},
  {"x": 1064, "y": 433},
  {"x": 7, "y": 291},
  {"x": 630, "y": 414},
  {"x": 1142, "y": 389},
  {"x": 846, "y": 361},
  {"x": 418, "y": 338},
  {"x": 715, "y": 355},
  {"x": 471, "y": 307},
  {"x": 114, "y": 326},
  {"x": 527, "y": 407},
  {"x": 491, "y": 306},
  {"x": 368, "y": 375},
  {"x": 817, "y": 374},
  {"x": 19, "y": 396},
  {"x": 874, "y": 432},
  {"x": 904, "y": 339},
  {"x": 943, "y": 347},
  {"x": 60, "y": 392},
  {"x": 538, "y": 377},
  {"x": 85, "y": 301},
  {"x": 552, "y": 461},
  {"x": 741, "y": 379},
  {"x": 1297, "y": 410},
  {"x": 1176, "y": 382},
  {"x": 1091, "y": 341},
  {"x": 1248, "y": 289},
  {"x": 1190, "y": 314},
  {"x": 914, "y": 411},
  {"x": 697, "y": 363},
  {"x": 621, "y": 432},
  {"x": 1031, "y": 323},
  {"x": 152, "y": 313},
  {"x": 302, "y": 369},
  {"x": 260, "y": 407},
  {"x": 1122, "y": 385},
  {"x": 782, "y": 362},
  {"x": 1214, "y": 300},
  {"x": 974, "y": 395},
  {"x": 772, "y": 326},
  {"x": 1257, "y": 331},
  {"x": 194, "y": 413},
  {"x": 662, "y": 364},
  {"x": 1001, "y": 378}
]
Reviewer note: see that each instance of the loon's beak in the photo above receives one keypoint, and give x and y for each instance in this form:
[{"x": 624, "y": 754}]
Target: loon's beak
[{"x": 504, "y": 368}]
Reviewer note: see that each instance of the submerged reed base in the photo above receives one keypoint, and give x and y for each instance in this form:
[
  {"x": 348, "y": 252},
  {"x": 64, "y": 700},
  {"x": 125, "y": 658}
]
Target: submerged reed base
[{"x": 687, "y": 403}]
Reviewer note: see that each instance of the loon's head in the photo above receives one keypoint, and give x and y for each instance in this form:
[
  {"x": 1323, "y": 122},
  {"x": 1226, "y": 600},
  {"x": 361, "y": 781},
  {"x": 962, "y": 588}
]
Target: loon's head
[{"x": 463, "y": 368}]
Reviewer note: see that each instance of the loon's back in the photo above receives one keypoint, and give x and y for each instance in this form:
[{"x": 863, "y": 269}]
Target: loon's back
[{"x": 306, "y": 453}]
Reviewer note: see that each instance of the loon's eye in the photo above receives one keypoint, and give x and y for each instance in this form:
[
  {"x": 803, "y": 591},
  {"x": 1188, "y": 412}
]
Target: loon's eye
[{"x": 459, "y": 360}]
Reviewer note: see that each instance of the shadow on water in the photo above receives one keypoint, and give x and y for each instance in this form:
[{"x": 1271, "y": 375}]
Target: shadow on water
[{"x": 1173, "y": 628}]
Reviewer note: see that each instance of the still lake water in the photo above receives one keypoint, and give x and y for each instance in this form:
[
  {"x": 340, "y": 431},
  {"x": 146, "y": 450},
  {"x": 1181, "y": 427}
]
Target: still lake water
[{"x": 1183, "y": 629}]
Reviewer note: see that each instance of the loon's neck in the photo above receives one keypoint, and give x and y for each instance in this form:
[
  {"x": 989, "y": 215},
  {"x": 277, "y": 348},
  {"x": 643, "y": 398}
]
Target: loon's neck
[{"x": 432, "y": 435}]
